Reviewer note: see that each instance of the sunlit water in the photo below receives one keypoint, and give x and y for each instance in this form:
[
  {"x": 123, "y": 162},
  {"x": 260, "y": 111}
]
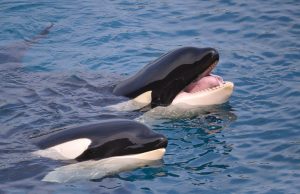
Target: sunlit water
[{"x": 249, "y": 145}]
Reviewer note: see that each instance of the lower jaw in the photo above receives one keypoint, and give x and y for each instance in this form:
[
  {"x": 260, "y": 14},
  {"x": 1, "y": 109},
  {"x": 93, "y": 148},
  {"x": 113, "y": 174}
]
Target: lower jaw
[
  {"x": 207, "y": 97},
  {"x": 156, "y": 154},
  {"x": 209, "y": 81}
]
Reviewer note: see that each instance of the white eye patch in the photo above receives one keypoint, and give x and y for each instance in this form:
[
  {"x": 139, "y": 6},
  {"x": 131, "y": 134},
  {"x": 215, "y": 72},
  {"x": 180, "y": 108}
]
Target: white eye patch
[{"x": 67, "y": 150}]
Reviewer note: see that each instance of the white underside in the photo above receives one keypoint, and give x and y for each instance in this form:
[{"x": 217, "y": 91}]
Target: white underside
[
  {"x": 129, "y": 105},
  {"x": 189, "y": 105},
  {"x": 134, "y": 104},
  {"x": 96, "y": 169}
]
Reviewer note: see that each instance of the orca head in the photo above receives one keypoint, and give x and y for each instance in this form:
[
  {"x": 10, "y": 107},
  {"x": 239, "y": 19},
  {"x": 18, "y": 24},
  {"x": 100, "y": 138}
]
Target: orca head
[
  {"x": 124, "y": 138},
  {"x": 162, "y": 80},
  {"x": 109, "y": 138}
]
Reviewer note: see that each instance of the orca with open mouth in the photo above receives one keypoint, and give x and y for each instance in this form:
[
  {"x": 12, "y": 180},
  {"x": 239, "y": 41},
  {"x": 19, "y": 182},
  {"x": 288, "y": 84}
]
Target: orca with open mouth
[
  {"x": 100, "y": 149},
  {"x": 181, "y": 77}
]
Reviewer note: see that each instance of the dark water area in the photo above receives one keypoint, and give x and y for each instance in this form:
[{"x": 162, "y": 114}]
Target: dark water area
[{"x": 249, "y": 145}]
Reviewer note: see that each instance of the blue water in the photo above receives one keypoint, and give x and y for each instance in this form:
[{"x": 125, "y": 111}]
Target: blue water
[{"x": 249, "y": 145}]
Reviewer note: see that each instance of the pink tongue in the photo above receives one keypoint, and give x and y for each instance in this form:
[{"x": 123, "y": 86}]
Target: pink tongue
[{"x": 206, "y": 82}]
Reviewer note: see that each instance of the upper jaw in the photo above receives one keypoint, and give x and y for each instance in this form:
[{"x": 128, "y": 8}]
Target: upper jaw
[
  {"x": 206, "y": 89},
  {"x": 213, "y": 61},
  {"x": 198, "y": 80},
  {"x": 207, "y": 71},
  {"x": 163, "y": 142},
  {"x": 160, "y": 142}
]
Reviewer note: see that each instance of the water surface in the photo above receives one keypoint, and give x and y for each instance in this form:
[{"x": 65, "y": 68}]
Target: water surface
[{"x": 249, "y": 145}]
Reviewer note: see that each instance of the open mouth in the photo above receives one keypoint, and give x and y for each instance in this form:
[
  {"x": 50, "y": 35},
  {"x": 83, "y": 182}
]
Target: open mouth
[{"x": 204, "y": 83}]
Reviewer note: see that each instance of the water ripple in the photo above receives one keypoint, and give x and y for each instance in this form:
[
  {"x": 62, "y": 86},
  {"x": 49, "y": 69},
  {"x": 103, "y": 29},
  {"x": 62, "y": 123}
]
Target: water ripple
[{"x": 250, "y": 145}]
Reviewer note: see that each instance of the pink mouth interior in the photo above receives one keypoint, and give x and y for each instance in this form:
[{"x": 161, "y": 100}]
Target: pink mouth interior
[
  {"x": 209, "y": 81},
  {"x": 205, "y": 81}
]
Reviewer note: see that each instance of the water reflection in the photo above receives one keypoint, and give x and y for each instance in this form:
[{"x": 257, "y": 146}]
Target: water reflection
[{"x": 197, "y": 146}]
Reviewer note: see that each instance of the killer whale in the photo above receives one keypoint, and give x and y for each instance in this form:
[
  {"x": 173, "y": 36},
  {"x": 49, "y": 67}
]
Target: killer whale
[
  {"x": 181, "y": 77},
  {"x": 100, "y": 149},
  {"x": 113, "y": 137}
]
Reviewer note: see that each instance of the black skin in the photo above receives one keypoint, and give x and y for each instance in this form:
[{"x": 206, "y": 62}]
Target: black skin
[
  {"x": 113, "y": 137},
  {"x": 168, "y": 75}
]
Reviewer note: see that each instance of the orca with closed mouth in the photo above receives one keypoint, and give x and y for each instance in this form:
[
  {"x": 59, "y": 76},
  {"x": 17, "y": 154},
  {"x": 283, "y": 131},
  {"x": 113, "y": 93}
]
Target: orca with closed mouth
[
  {"x": 181, "y": 78},
  {"x": 100, "y": 149}
]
